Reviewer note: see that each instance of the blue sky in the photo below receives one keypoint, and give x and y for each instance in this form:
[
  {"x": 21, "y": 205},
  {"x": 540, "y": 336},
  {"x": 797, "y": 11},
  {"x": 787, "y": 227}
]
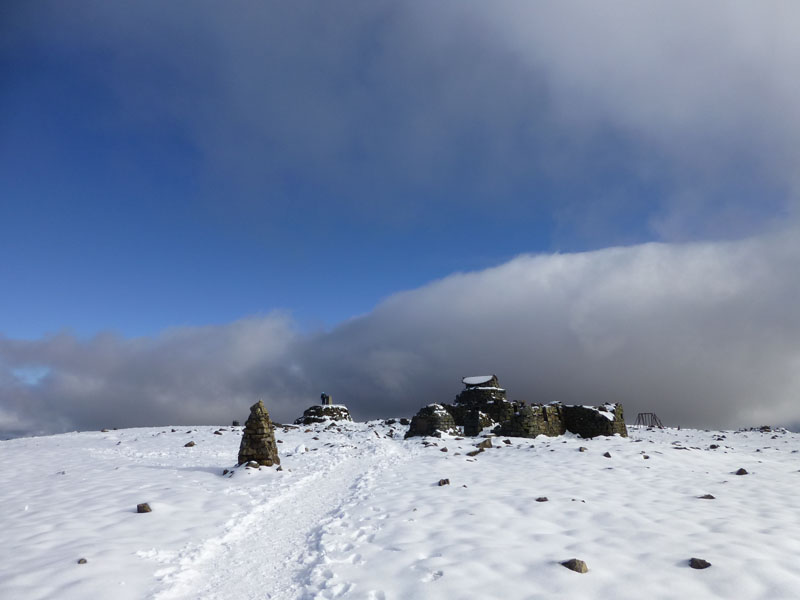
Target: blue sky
[{"x": 190, "y": 165}]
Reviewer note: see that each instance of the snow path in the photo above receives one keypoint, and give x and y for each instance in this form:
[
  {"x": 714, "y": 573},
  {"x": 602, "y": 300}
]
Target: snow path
[{"x": 270, "y": 551}]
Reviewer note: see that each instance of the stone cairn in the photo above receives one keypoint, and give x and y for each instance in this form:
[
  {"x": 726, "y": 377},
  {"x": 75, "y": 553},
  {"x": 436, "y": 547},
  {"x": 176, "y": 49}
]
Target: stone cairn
[
  {"x": 258, "y": 438},
  {"x": 325, "y": 411}
]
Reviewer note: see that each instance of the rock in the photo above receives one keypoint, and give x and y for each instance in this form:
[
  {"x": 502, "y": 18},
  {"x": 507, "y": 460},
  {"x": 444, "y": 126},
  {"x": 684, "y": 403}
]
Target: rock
[
  {"x": 707, "y": 497},
  {"x": 258, "y": 439},
  {"x": 432, "y": 420},
  {"x": 443, "y": 449},
  {"x": 487, "y": 443},
  {"x": 217, "y": 432},
  {"x": 542, "y": 499},
  {"x": 82, "y": 561},
  {"x": 104, "y": 431},
  {"x": 475, "y": 452},
  {"x": 714, "y": 446},
  {"x": 607, "y": 454},
  {"x": 143, "y": 508},
  {"x": 188, "y": 444},
  {"x": 322, "y": 414},
  {"x": 405, "y": 421},
  {"x": 645, "y": 456},
  {"x": 506, "y": 441},
  {"x": 444, "y": 482},
  {"x": 225, "y": 471},
  {"x": 574, "y": 564},
  {"x": 742, "y": 472},
  {"x": 234, "y": 423},
  {"x": 583, "y": 449},
  {"x": 699, "y": 563},
  {"x": 251, "y": 464}
]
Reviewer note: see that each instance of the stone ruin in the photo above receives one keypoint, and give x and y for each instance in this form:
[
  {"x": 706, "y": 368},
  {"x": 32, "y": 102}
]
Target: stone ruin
[
  {"x": 326, "y": 411},
  {"x": 432, "y": 420},
  {"x": 258, "y": 438},
  {"x": 483, "y": 404}
]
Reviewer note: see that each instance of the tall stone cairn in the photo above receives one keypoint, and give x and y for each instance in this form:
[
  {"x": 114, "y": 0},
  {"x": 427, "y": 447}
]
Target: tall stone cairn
[{"x": 258, "y": 438}]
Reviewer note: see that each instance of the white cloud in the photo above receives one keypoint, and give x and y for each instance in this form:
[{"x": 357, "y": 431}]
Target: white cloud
[{"x": 702, "y": 334}]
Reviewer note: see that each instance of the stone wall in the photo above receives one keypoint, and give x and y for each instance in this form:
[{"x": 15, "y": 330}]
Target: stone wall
[
  {"x": 591, "y": 421},
  {"x": 476, "y": 421},
  {"x": 432, "y": 420},
  {"x": 490, "y": 401},
  {"x": 530, "y": 421}
]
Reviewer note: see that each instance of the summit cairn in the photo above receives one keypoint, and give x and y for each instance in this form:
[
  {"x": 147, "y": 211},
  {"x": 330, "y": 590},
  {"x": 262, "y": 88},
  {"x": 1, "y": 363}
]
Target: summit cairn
[
  {"x": 326, "y": 410},
  {"x": 258, "y": 438}
]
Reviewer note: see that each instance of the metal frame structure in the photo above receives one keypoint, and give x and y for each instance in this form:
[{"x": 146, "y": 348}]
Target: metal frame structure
[{"x": 649, "y": 420}]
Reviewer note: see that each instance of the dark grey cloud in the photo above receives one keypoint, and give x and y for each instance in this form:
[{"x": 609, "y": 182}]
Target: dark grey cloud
[
  {"x": 673, "y": 112},
  {"x": 703, "y": 334}
]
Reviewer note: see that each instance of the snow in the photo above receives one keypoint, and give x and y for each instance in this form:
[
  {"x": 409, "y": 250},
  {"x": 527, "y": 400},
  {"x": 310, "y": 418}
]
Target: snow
[
  {"x": 477, "y": 380},
  {"x": 607, "y": 412},
  {"x": 359, "y": 514}
]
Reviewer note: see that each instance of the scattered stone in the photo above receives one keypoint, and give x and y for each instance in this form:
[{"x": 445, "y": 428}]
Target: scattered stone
[
  {"x": 188, "y": 444},
  {"x": 82, "y": 561},
  {"x": 574, "y": 564},
  {"x": 234, "y": 423},
  {"x": 143, "y": 508},
  {"x": 542, "y": 499},
  {"x": 443, "y": 449},
  {"x": 258, "y": 438},
  {"x": 607, "y": 454},
  {"x": 707, "y": 497},
  {"x": 251, "y": 464},
  {"x": 645, "y": 456},
  {"x": 742, "y": 472},
  {"x": 218, "y": 432},
  {"x": 714, "y": 446},
  {"x": 506, "y": 441},
  {"x": 174, "y": 430},
  {"x": 405, "y": 421},
  {"x": 444, "y": 482},
  {"x": 225, "y": 472},
  {"x": 279, "y": 468},
  {"x": 699, "y": 563},
  {"x": 583, "y": 449},
  {"x": 104, "y": 431},
  {"x": 487, "y": 443},
  {"x": 475, "y": 452}
]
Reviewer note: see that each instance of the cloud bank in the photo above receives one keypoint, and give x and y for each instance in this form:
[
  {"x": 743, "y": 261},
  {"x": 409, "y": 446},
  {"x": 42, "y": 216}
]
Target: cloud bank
[
  {"x": 703, "y": 334},
  {"x": 673, "y": 114}
]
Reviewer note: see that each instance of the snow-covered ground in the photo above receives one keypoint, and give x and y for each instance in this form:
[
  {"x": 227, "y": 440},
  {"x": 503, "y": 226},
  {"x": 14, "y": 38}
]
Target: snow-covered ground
[{"x": 358, "y": 514}]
